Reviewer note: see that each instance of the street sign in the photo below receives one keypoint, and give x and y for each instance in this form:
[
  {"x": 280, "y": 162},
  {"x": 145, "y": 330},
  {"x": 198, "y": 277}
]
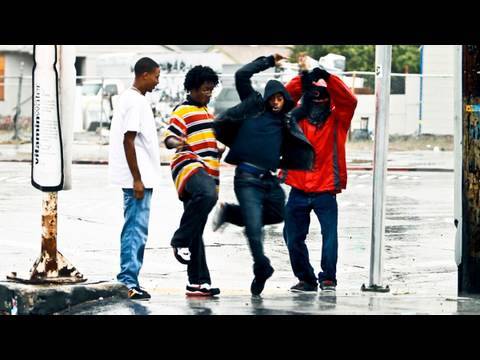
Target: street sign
[{"x": 47, "y": 155}]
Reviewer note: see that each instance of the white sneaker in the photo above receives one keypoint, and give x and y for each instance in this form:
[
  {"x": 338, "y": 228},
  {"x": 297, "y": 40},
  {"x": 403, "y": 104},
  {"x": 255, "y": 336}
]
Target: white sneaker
[
  {"x": 182, "y": 255},
  {"x": 201, "y": 290}
]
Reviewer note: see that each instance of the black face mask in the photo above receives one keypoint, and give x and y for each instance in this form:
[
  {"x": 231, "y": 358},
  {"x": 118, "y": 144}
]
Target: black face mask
[{"x": 317, "y": 113}]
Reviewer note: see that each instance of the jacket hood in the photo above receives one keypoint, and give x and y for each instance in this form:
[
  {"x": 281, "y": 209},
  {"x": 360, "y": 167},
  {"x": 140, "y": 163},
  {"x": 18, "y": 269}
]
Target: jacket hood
[{"x": 273, "y": 87}]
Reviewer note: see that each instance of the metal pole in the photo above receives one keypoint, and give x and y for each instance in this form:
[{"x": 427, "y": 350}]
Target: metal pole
[
  {"x": 101, "y": 107},
  {"x": 420, "y": 109},
  {"x": 46, "y": 265},
  {"x": 67, "y": 86},
  {"x": 383, "y": 61},
  {"x": 51, "y": 266},
  {"x": 18, "y": 107},
  {"x": 353, "y": 92}
]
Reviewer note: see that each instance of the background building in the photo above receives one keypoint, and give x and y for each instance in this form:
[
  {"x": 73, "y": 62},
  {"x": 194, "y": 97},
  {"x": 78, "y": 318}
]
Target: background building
[{"x": 425, "y": 104}]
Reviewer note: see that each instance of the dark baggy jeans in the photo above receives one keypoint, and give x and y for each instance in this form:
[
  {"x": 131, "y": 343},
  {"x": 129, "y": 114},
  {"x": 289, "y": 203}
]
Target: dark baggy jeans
[
  {"x": 297, "y": 222},
  {"x": 199, "y": 198},
  {"x": 262, "y": 202}
]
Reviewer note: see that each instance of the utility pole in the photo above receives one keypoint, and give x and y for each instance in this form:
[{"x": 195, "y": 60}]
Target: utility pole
[
  {"x": 420, "y": 108},
  {"x": 469, "y": 268},
  {"x": 18, "y": 107},
  {"x": 52, "y": 134},
  {"x": 383, "y": 63}
]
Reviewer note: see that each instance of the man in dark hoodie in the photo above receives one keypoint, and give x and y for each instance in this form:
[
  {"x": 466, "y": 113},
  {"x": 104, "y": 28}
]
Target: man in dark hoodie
[{"x": 261, "y": 138}]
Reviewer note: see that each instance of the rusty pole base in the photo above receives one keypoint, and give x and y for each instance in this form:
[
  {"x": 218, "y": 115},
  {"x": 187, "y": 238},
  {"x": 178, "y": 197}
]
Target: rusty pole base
[{"x": 43, "y": 272}]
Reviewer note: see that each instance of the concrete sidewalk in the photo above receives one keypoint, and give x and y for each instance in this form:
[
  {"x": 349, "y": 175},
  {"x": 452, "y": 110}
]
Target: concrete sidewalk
[{"x": 93, "y": 149}]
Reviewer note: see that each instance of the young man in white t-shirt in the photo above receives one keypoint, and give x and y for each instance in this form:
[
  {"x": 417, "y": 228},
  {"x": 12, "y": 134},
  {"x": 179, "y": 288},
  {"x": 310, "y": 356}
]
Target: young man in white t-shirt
[{"x": 134, "y": 165}]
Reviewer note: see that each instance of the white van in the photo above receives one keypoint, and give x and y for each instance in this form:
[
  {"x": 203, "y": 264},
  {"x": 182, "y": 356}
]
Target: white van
[{"x": 97, "y": 105}]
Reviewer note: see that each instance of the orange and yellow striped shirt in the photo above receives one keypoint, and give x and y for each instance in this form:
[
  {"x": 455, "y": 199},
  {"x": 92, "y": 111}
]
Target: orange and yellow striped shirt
[{"x": 195, "y": 124}]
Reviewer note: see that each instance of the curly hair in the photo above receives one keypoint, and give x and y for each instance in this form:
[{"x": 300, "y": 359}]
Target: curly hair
[{"x": 199, "y": 74}]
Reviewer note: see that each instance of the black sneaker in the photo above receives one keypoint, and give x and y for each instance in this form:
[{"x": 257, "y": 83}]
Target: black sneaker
[
  {"x": 201, "y": 290},
  {"x": 144, "y": 291},
  {"x": 328, "y": 285},
  {"x": 218, "y": 217},
  {"x": 182, "y": 255},
  {"x": 138, "y": 294},
  {"x": 303, "y": 286},
  {"x": 258, "y": 283}
]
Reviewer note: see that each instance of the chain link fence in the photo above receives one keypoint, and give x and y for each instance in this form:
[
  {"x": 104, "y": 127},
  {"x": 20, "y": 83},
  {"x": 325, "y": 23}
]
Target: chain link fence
[
  {"x": 15, "y": 108},
  {"x": 419, "y": 105}
]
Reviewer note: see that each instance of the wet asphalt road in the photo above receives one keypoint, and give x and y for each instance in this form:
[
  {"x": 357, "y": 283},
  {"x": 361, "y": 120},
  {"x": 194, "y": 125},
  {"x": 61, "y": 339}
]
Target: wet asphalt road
[{"x": 419, "y": 262}]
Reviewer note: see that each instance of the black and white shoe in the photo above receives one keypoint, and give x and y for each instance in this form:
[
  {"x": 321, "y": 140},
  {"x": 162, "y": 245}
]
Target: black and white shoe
[
  {"x": 137, "y": 293},
  {"x": 201, "y": 290},
  {"x": 328, "y": 285},
  {"x": 304, "y": 287},
  {"x": 182, "y": 255}
]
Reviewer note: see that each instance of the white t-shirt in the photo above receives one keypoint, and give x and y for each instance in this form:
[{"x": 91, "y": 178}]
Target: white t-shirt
[{"x": 133, "y": 113}]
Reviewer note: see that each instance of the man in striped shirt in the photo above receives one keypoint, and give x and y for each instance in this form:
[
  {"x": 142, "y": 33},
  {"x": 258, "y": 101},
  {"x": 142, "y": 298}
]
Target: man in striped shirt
[{"x": 195, "y": 172}]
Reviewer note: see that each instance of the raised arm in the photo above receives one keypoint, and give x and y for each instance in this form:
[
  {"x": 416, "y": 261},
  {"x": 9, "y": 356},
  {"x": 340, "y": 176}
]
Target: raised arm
[
  {"x": 243, "y": 76},
  {"x": 294, "y": 88},
  {"x": 343, "y": 99},
  {"x": 297, "y": 86}
]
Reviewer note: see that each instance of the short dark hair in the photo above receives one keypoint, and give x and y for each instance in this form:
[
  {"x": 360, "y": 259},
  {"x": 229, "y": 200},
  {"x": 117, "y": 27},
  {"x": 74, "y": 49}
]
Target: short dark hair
[
  {"x": 199, "y": 74},
  {"x": 145, "y": 65}
]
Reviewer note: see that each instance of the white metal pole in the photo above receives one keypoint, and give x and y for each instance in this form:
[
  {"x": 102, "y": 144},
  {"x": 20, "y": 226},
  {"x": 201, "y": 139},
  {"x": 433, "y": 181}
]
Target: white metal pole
[
  {"x": 383, "y": 61},
  {"x": 67, "y": 89},
  {"x": 458, "y": 139}
]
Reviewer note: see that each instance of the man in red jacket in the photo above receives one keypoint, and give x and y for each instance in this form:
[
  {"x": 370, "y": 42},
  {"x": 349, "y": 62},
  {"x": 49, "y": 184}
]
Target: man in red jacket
[{"x": 324, "y": 116}]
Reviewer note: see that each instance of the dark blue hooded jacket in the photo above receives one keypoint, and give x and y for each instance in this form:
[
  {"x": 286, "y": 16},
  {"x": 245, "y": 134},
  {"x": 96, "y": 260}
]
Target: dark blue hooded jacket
[
  {"x": 257, "y": 135},
  {"x": 260, "y": 138}
]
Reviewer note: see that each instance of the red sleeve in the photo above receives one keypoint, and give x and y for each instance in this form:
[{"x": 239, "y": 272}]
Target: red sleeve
[
  {"x": 294, "y": 88},
  {"x": 343, "y": 99}
]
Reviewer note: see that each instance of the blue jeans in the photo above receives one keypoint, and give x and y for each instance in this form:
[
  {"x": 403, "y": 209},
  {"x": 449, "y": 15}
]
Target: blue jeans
[
  {"x": 262, "y": 202},
  {"x": 297, "y": 222},
  {"x": 134, "y": 236}
]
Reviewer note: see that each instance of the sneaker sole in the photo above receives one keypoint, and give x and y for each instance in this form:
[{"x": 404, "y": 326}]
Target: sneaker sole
[
  {"x": 329, "y": 289},
  {"x": 303, "y": 291},
  {"x": 146, "y": 299},
  {"x": 196, "y": 294}
]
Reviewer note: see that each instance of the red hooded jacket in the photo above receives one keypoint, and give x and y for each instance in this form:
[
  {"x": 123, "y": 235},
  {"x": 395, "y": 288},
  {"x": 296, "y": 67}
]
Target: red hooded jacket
[{"x": 329, "y": 172}]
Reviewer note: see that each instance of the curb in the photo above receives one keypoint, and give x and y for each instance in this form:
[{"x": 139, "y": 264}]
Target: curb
[
  {"x": 22, "y": 299},
  {"x": 76, "y": 162}
]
